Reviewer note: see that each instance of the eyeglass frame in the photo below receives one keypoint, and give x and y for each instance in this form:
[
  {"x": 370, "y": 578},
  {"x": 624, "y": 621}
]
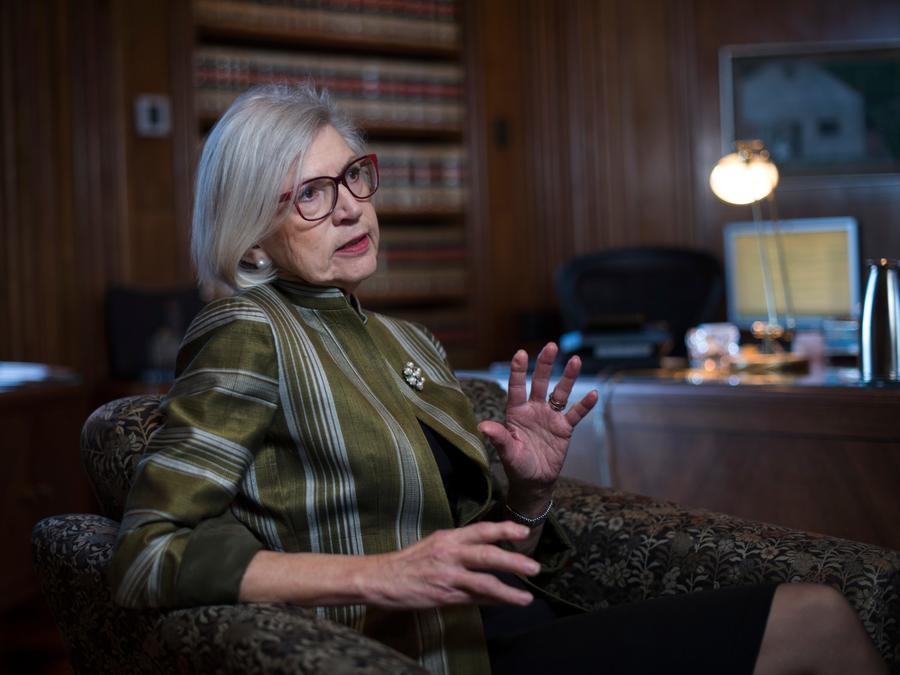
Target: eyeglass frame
[{"x": 338, "y": 180}]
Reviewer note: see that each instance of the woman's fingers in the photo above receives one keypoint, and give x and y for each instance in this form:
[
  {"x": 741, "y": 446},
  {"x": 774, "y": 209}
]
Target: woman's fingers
[
  {"x": 496, "y": 559},
  {"x": 518, "y": 374},
  {"x": 455, "y": 566},
  {"x": 540, "y": 379},
  {"x": 517, "y": 392},
  {"x": 487, "y": 532},
  {"x": 486, "y": 589},
  {"x": 563, "y": 388},
  {"x": 578, "y": 411},
  {"x": 497, "y": 433}
]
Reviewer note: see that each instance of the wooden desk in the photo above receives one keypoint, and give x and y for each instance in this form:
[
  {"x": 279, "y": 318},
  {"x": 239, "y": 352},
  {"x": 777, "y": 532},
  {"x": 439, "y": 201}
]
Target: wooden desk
[
  {"x": 801, "y": 454},
  {"x": 42, "y": 473}
]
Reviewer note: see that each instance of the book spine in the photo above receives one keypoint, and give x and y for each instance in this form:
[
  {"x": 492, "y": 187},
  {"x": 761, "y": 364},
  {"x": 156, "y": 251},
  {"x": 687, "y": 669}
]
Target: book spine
[
  {"x": 414, "y": 22},
  {"x": 370, "y": 90},
  {"x": 421, "y": 177}
]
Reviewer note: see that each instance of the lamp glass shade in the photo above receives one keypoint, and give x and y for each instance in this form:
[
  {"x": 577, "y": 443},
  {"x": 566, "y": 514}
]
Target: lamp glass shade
[{"x": 739, "y": 180}]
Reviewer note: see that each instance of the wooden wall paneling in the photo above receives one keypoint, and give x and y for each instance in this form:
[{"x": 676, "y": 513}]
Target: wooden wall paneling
[
  {"x": 531, "y": 199},
  {"x": 497, "y": 73},
  {"x": 11, "y": 299},
  {"x": 604, "y": 108},
  {"x": 37, "y": 234},
  {"x": 545, "y": 192},
  {"x": 156, "y": 252},
  {"x": 627, "y": 230},
  {"x": 184, "y": 137},
  {"x": 618, "y": 106},
  {"x": 29, "y": 63},
  {"x": 62, "y": 241},
  {"x": 86, "y": 204},
  {"x": 600, "y": 113},
  {"x": 682, "y": 71},
  {"x": 100, "y": 211},
  {"x": 873, "y": 200},
  {"x": 637, "y": 50}
]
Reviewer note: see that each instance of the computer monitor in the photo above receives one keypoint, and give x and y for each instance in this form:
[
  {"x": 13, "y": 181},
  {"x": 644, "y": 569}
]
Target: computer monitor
[{"x": 822, "y": 260}]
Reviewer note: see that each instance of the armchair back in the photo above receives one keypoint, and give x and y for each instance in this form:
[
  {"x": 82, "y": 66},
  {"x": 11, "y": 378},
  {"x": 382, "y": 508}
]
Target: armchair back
[{"x": 116, "y": 435}]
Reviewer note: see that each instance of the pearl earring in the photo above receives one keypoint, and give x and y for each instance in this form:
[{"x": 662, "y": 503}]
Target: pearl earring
[{"x": 263, "y": 263}]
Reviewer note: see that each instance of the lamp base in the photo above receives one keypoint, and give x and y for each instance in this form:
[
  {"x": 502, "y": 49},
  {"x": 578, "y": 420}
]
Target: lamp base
[{"x": 753, "y": 360}]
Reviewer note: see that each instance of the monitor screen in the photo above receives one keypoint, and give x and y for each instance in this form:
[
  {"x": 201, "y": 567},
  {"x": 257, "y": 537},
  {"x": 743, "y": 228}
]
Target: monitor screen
[{"x": 821, "y": 260}]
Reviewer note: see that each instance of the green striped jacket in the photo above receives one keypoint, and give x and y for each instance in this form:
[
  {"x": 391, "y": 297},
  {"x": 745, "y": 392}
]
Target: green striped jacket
[{"x": 291, "y": 428}]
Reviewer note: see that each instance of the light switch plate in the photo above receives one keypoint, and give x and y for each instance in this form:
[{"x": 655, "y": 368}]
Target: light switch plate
[{"x": 152, "y": 115}]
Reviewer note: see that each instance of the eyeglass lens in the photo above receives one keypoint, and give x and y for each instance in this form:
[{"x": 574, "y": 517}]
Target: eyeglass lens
[{"x": 318, "y": 197}]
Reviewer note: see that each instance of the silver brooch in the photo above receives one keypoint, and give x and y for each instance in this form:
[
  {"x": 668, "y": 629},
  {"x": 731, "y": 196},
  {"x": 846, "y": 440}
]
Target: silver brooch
[{"x": 413, "y": 375}]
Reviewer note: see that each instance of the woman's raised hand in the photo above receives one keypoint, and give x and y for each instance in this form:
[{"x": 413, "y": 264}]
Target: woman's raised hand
[
  {"x": 534, "y": 441},
  {"x": 449, "y": 567}
]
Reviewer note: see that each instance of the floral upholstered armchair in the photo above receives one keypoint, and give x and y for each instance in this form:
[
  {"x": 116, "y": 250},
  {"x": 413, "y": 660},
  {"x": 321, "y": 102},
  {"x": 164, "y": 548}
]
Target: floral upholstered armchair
[{"x": 629, "y": 548}]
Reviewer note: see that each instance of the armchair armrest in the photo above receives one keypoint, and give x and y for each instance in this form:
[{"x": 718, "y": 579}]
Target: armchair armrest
[
  {"x": 72, "y": 554},
  {"x": 631, "y": 548}
]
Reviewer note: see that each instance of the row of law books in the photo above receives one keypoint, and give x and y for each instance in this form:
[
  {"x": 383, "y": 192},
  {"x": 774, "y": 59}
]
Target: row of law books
[
  {"x": 371, "y": 90},
  {"x": 432, "y": 244},
  {"x": 421, "y": 262},
  {"x": 427, "y": 177},
  {"x": 419, "y": 283},
  {"x": 413, "y": 22}
]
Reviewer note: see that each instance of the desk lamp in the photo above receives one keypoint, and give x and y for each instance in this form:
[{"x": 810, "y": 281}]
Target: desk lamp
[{"x": 749, "y": 176}]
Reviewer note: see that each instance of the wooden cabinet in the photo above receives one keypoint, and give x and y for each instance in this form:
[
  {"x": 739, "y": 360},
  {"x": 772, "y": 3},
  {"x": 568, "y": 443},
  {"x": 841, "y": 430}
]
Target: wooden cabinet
[
  {"x": 819, "y": 458},
  {"x": 42, "y": 473},
  {"x": 397, "y": 69}
]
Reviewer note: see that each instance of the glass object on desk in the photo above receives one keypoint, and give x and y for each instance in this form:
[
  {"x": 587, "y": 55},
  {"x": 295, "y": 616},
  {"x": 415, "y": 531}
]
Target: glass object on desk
[
  {"x": 712, "y": 346},
  {"x": 811, "y": 344},
  {"x": 880, "y": 327}
]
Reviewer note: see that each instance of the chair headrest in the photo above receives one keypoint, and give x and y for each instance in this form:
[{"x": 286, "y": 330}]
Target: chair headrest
[
  {"x": 113, "y": 440},
  {"x": 116, "y": 435}
]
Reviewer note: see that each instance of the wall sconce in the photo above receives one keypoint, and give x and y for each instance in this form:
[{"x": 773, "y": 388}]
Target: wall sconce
[{"x": 749, "y": 176}]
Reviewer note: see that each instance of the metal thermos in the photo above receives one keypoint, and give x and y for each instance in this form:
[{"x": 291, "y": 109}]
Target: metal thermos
[{"x": 879, "y": 349}]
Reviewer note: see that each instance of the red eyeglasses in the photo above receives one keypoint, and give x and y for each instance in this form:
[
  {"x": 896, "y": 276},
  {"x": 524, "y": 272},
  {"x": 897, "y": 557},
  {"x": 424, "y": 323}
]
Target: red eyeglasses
[{"x": 317, "y": 197}]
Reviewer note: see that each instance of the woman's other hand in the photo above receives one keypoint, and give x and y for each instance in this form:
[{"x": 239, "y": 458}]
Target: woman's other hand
[
  {"x": 449, "y": 567},
  {"x": 535, "y": 439}
]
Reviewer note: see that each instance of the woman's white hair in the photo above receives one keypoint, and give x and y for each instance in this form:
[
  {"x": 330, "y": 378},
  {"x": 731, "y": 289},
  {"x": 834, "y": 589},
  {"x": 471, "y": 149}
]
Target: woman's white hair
[{"x": 256, "y": 146}]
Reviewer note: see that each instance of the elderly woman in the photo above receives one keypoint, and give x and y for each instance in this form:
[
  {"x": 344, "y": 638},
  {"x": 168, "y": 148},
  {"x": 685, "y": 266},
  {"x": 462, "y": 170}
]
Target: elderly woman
[{"x": 319, "y": 454}]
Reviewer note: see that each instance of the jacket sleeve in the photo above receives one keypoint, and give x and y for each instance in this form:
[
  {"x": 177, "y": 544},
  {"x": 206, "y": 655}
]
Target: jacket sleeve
[{"x": 179, "y": 543}]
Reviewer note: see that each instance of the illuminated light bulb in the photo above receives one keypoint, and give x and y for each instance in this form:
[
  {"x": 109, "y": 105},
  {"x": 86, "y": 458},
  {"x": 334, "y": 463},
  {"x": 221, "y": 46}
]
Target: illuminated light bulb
[{"x": 743, "y": 177}]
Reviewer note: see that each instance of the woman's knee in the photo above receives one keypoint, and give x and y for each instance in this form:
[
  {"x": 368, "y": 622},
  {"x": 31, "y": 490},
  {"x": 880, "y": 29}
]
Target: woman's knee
[
  {"x": 814, "y": 608},
  {"x": 813, "y": 628},
  {"x": 818, "y": 599}
]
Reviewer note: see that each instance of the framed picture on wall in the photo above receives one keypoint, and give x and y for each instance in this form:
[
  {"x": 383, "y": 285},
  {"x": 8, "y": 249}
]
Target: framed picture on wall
[{"x": 820, "y": 108}]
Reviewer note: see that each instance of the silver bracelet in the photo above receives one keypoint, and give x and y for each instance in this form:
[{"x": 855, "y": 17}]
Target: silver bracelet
[{"x": 525, "y": 520}]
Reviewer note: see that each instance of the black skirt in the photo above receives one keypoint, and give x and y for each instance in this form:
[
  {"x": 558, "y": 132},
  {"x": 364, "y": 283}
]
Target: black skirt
[
  {"x": 708, "y": 632},
  {"x": 711, "y": 632}
]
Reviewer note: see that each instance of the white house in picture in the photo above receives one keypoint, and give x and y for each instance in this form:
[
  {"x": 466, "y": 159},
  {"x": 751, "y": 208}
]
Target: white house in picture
[{"x": 803, "y": 112}]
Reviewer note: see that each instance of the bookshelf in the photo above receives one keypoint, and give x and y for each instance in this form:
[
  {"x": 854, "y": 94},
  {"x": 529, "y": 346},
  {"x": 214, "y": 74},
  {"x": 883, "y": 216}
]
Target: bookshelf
[{"x": 396, "y": 67}]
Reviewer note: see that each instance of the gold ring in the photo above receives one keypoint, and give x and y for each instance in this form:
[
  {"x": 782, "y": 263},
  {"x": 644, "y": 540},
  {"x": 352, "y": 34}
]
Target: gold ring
[{"x": 558, "y": 406}]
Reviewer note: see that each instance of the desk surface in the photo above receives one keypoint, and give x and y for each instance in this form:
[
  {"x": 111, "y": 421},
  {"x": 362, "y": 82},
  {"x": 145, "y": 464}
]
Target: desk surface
[
  {"x": 814, "y": 406},
  {"x": 41, "y": 420},
  {"x": 831, "y": 378},
  {"x": 19, "y": 376},
  {"x": 808, "y": 454}
]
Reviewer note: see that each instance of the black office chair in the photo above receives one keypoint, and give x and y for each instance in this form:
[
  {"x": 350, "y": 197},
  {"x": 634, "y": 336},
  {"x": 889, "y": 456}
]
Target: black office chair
[
  {"x": 642, "y": 297},
  {"x": 145, "y": 327}
]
